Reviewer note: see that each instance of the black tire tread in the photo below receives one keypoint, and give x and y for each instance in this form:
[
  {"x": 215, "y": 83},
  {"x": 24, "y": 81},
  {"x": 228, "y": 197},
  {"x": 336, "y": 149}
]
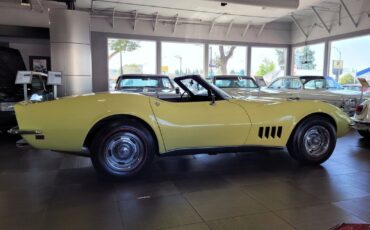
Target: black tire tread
[
  {"x": 295, "y": 148},
  {"x": 109, "y": 128}
]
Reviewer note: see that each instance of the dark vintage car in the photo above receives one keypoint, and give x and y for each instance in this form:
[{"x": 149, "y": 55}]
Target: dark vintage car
[
  {"x": 236, "y": 85},
  {"x": 10, "y": 62},
  {"x": 147, "y": 84}
]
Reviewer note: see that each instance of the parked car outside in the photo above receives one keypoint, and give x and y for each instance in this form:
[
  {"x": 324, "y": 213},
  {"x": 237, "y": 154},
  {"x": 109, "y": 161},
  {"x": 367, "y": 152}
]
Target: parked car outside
[
  {"x": 236, "y": 85},
  {"x": 313, "y": 88},
  {"x": 147, "y": 84},
  {"x": 362, "y": 119},
  {"x": 122, "y": 132}
]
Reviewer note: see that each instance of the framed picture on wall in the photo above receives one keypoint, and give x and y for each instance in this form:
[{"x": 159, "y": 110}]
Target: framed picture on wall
[{"x": 40, "y": 64}]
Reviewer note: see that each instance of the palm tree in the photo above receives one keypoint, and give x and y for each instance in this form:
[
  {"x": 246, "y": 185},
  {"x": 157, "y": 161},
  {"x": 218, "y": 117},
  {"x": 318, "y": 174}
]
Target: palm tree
[{"x": 120, "y": 46}]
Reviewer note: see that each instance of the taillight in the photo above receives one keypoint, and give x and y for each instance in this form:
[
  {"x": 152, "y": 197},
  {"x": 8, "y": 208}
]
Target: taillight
[{"x": 359, "y": 109}]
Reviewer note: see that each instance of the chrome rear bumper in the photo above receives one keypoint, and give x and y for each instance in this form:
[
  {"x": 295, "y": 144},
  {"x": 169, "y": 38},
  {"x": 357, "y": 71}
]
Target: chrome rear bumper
[{"x": 17, "y": 131}]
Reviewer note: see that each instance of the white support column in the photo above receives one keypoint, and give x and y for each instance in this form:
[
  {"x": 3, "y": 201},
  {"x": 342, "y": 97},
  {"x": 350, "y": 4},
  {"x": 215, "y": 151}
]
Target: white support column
[
  {"x": 229, "y": 28},
  {"x": 176, "y": 21},
  {"x": 212, "y": 26},
  {"x": 135, "y": 20},
  {"x": 205, "y": 62},
  {"x": 261, "y": 29},
  {"x": 246, "y": 29},
  {"x": 155, "y": 21},
  {"x": 70, "y": 48},
  {"x": 113, "y": 14}
]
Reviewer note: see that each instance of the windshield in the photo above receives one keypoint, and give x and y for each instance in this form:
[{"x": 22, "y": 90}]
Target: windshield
[
  {"x": 286, "y": 83},
  {"x": 145, "y": 82},
  {"x": 320, "y": 83},
  {"x": 235, "y": 83},
  {"x": 200, "y": 87}
]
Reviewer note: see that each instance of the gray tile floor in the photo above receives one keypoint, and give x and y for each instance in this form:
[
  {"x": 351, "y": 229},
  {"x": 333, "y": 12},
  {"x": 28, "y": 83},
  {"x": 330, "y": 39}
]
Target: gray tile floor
[{"x": 267, "y": 190}]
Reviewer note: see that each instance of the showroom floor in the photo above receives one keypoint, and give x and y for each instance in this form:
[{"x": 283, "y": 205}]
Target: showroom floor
[{"x": 47, "y": 190}]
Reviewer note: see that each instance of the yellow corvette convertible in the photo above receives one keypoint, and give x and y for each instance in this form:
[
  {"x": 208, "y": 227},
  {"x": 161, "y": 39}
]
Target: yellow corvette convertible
[{"x": 122, "y": 132}]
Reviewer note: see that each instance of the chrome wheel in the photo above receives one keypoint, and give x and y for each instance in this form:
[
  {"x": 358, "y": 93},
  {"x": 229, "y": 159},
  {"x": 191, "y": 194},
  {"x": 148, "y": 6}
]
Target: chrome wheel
[
  {"x": 316, "y": 141},
  {"x": 124, "y": 152}
]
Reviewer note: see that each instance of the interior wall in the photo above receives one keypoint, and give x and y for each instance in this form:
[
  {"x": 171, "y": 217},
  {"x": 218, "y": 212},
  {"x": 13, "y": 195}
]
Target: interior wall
[
  {"x": 28, "y": 47},
  {"x": 274, "y": 33}
]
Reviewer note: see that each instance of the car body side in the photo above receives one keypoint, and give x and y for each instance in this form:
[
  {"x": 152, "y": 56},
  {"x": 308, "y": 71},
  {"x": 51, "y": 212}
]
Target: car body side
[{"x": 66, "y": 123}]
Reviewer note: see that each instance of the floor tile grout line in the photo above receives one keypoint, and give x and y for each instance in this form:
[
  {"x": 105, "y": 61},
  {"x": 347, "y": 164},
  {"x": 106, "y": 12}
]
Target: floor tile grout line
[{"x": 196, "y": 211}]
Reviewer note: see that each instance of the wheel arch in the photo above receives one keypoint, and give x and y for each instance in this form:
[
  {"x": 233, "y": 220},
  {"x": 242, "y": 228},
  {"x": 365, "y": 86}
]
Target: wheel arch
[
  {"x": 318, "y": 114},
  {"x": 113, "y": 118}
]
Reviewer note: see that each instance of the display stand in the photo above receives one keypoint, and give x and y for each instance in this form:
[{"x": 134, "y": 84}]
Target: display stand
[
  {"x": 24, "y": 78},
  {"x": 54, "y": 79}
]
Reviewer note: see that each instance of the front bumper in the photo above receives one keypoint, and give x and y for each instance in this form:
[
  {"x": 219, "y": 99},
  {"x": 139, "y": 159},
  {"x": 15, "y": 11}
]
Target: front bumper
[{"x": 360, "y": 125}]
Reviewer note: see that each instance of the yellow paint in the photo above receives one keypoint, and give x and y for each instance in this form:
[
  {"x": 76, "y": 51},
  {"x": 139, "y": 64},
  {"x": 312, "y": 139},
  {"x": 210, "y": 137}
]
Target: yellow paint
[{"x": 66, "y": 122}]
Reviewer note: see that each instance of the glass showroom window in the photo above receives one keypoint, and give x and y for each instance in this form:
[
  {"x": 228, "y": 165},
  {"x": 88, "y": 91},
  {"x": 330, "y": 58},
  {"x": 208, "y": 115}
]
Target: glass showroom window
[
  {"x": 130, "y": 56},
  {"x": 268, "y": 63},
  {"x": 309, "y": 60},
  {"x": 350, "y": 58},
  {"x": 225, "y": 59},
  {"x": 182, "y": 58}
]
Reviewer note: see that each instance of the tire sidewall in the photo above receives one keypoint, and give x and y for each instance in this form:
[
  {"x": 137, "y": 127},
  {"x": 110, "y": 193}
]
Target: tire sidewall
[
  {"x": 103, "y": 136},
  {"x": 300, "y": 151}
]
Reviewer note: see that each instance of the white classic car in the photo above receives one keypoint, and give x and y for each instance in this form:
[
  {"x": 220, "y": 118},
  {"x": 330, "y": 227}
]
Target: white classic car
[
  {"x": 236, "y": 85},
  {"x": 313, "y": 88},
  {"x": 362, "y": 119}
]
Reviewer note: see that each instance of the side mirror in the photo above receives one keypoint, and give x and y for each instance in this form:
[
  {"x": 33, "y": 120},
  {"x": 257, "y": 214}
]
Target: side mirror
[
  {"x": 177, "y": 90},
  {"x": 213, "y": 101}
]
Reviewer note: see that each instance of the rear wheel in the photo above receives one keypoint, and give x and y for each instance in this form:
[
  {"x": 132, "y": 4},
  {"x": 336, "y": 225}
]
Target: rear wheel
[
  {"x": 123, "y": 149},
  {"x": 313, "y": 141},
  {"x": 365, "y": 134}
]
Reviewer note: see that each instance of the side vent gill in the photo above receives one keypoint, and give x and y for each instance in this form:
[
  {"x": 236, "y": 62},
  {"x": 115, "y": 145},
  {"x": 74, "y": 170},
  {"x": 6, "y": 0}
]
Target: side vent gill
[{"x": 270, "y": 132}]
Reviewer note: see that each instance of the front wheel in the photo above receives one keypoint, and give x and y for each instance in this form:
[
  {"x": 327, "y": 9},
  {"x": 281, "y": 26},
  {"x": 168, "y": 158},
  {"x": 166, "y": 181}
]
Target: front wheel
[
  {"x": 313, "y": 141},
  {"x": 122, "y": 149},
  {"x": 365, "y": 134}
]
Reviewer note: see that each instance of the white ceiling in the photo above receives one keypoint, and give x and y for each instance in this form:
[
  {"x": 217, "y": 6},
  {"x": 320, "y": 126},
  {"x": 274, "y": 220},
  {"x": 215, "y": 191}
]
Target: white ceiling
[{"x": 203, "y": 10}]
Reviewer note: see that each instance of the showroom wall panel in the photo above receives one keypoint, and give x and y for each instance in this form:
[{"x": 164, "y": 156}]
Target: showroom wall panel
[{"x": 28, "y": 47}]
